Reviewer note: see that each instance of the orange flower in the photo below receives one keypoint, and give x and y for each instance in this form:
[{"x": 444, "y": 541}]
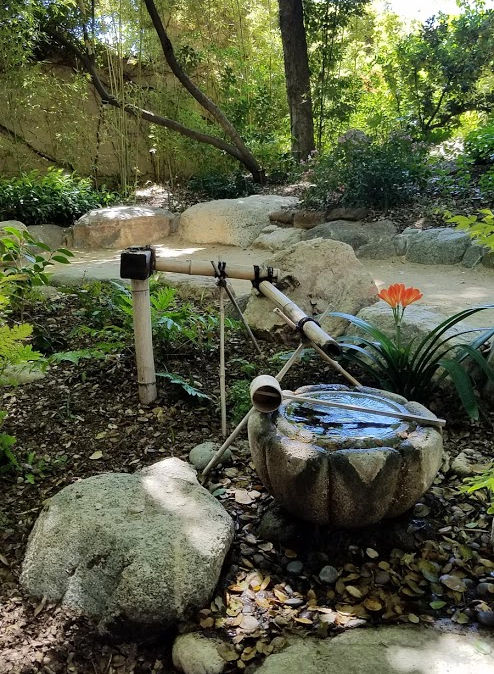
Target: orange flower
[{"x": 397, "y": 294}]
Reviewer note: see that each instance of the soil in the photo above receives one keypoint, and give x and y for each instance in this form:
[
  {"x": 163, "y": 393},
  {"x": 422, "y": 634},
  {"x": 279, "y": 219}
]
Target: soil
[{"x": 83, "y": 419}]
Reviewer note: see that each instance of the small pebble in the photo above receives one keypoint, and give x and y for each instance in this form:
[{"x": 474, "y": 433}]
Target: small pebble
[
  {"x": 294, "y": 602},
  {"x": 328, "y": 574},
  {"x": 486, "y": 618},
  {"x": 485, "y": 590},
  {"x": 295, "y": 567}
]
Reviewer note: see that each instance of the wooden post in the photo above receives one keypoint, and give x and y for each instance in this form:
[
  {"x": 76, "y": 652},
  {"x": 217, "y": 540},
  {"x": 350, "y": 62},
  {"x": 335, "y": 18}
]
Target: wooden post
[{"x": 146, "y": 376}]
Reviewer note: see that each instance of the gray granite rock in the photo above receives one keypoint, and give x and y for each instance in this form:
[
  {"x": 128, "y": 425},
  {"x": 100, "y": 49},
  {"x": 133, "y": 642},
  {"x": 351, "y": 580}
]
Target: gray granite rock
[
  {"x": 368, "y": 240},
  {"x": 201, "y": 455},
  {"x": 194, "y": 653},
  {"x": 138, "y": 549},
  {"x": 403, "y": 649},
  {"x": 441, "y": 245}
]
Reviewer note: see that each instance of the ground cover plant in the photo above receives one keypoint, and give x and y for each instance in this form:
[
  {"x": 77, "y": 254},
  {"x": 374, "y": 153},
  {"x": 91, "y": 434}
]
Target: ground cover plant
[
  {"x": 56, "y": 197},
  {"x": 84, "y": 418}
]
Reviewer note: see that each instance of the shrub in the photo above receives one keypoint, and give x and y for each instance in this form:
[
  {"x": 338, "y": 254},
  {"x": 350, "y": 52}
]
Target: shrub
[
  {"x": 415, "y": 370},
  {"x": 480, "y": 229},
  {"x": 56, "y": 197},
  {"x": 221, "y": 186},
  {"x": 479, "y": 144},
  {"x": 365, "y": 172}
]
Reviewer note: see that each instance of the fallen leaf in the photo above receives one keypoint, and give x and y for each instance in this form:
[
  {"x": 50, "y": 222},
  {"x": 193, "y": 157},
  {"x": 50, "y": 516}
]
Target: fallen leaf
[{"x": 98, "y": 454}]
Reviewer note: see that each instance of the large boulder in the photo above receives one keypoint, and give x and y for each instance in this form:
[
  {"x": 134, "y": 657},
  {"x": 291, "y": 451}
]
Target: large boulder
[
  {"x": 441, "y": 245},
  {"x": 401, "y": 649},
  {"x": 316, "y": 275},
  {"x": 138, "y": 549},
  {"x": 368, "y": 240},
  {"x": 121, "y": 227},
  {"x": 232, "y": 222},
  {"x": 418, "y": 322},
  {"x": 15, "y": 224},
  {"x": 52, "y": 235}
]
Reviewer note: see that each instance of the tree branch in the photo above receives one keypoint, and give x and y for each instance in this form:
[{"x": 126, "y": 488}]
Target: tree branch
[
  {"x": 200, "y": 96},
  {"x": 12, "y": 135},
  {"x": 136, "y": 111}
]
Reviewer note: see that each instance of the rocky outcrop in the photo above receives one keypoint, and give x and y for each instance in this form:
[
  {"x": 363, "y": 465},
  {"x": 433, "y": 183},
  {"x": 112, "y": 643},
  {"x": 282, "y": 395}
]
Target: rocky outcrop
[
  {"x": 138, "y": 549},
  {"x": 278, "y": 238},
  {"x": 368, "y": 240},
  {"x": 232, "y": 222},
  {"x": 316, "y": 275},
  {"x": 121, "y": 227},
  {"x": 441, "y": 245}
]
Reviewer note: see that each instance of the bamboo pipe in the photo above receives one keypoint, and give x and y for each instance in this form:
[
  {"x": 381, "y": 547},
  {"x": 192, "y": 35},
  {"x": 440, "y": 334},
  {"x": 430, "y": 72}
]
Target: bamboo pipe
[
  {"x": 339, "y": 368},
  {"x": 236, "y": 432},
  {"x": 311, "y": 329},
  {"x": 266, "y": 396},
  {"x": 222, "y": 363},
  {"x": 205, "y": 268},
  {"x": 143, "y": 338}
]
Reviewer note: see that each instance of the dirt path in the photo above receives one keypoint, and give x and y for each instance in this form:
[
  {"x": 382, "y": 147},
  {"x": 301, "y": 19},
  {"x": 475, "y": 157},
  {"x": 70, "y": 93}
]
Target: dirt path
[{"x": 450, "y": 288}]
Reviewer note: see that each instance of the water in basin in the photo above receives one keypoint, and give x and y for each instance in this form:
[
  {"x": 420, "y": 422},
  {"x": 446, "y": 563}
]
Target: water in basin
[{"x": 341, "y": 423}]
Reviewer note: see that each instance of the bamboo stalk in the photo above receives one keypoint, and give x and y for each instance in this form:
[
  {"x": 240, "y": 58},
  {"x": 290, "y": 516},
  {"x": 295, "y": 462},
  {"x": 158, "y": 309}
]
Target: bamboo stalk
[
  {"x": 205, "y": 268},
  {"x": 236, "y": 432},
  {"x": 146, "y": 376},
  {"x": 425, "y": 421},
  {"x": 222, "y": 364},
  {"x": 339, "y": 368},
  {"x": 311, "y": 329}
]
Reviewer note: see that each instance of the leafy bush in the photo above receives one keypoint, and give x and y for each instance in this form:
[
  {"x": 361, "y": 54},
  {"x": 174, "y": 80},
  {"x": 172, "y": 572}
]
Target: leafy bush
[
  {"x": 23, "y": 261},
  {"x": 239, "y": 399},
  {"x": 365, "y": 172},
  {"x": 415, "y": 370},
  {"x": 56, "y": 197},
  {"x": 479, "y": 144},
  {"x": 480, "y": 229},
  {"x": 221, "y": 186}
]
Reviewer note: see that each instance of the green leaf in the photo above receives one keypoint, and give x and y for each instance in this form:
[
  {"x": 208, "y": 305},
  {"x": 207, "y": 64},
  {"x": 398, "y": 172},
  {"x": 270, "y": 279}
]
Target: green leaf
[
  {"x": 179, "y": 381},
  {"x": 463, "y": 386}
]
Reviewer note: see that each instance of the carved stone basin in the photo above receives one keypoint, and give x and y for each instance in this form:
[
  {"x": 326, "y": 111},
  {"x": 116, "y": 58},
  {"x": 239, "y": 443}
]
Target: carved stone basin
[{"x": 345, "y": 468}]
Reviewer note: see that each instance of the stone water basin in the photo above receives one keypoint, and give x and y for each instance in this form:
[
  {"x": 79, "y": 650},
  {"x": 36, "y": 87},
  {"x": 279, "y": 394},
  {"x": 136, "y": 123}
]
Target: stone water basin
[{"x": 345, "y": 468}]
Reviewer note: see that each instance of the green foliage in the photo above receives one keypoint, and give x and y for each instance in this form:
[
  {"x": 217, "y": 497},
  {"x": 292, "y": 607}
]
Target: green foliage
[
  {"x": 442, "y": 71},
  {"x": 8, "y": 459},
  {"x": 482, "y": 481},
  {"x": 479, "y": 144},
  {"x": 219, "y": 186},
  {"x": 23, "y": 261},
  {"x": 415, "y": 370},
  {"x": 481, "y": 229},
  {"x": 238, "y": 397},
  {"x": 184, "y": 385},
  {"x": 13, "y": 347},
  {"x": 365, "y": 172},
  {"x": 56, "y": 197}
]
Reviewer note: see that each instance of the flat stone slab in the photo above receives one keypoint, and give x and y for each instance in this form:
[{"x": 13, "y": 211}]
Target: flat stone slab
[{"x": 398, "y": 649}]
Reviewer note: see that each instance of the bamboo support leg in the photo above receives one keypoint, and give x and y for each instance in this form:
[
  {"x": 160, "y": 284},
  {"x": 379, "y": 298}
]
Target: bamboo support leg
[
  {"x": 233, "y": 300},
  {"x": 146, "y": 376},
  {"x": 236, "y": 432},
  {"x": 222, "y": 364},
  {"x": 323, "y": 354}
]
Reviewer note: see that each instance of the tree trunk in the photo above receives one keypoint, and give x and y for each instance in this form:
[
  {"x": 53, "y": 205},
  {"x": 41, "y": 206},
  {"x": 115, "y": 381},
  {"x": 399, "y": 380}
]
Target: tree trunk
[{"x": 297, "y": 77}]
